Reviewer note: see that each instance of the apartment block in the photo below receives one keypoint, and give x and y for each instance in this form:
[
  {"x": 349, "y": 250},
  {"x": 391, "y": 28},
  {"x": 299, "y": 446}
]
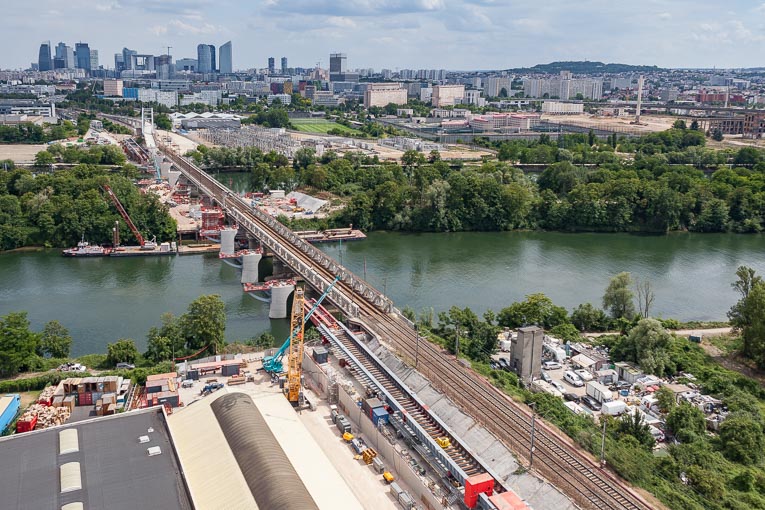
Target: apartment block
[
  {"x": 447, "y": 95},
  {"x": 382, "y": 94}
]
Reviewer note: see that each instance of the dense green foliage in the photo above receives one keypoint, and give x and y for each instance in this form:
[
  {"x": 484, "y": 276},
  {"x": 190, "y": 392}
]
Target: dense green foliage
[
  {"x": 586, "y": 67},
  {"x": 122, "y": 351},
  {"x": 57, "y": 209},
  {"x": 661, "y": 188},
  {"x": 202, "y": 327},
  {"x": 700, "y": 471},
  {"x": 32, "y": 133},
  {"x": 748, "y": 314}
]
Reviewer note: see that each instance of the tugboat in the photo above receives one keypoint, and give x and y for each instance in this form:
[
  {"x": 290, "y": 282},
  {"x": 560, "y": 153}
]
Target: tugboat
[{"x": 85, "y": 249}]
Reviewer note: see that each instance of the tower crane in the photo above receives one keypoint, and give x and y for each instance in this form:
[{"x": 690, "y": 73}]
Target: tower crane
[{"x": 145, "y": 245}]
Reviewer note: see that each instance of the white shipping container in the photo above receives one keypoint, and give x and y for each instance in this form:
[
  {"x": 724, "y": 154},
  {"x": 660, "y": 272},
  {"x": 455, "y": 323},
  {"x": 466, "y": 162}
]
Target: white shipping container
[
  {"x": 614, "y": 407},
  {"x": 599, "y": 392}
]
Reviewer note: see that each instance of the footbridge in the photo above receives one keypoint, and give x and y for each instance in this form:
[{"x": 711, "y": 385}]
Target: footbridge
[{"x": 575, "y": 472}]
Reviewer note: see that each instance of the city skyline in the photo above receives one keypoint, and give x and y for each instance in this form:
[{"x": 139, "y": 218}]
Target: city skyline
[{"x": 449, "y": 34}]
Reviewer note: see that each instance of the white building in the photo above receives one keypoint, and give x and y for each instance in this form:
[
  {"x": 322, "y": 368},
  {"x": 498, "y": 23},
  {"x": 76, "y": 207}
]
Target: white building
[
  {"x": 382, "y": 94},
  {"x": 474, "y": 97},
  {"x": 494, "y": 85},
  {"x": 168, "y": 98},
  {"x": 284, "y": 98},
  {"x": 447, "y": 95},
  {"x": 113, "y": 88},
  {"x": 559, "y": 108}
]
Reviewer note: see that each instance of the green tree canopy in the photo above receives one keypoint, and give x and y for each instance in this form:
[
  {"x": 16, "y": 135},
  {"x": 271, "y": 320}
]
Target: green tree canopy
[
  {"x": 686, "y": 421},
  {"x": 55, "y": 340},
  {"x": 741, "y": 439},
  {"x": 618, "y": 298},
  {"x": 648, "y": 344},
  {"x": 588, "y": 318},
  {"x": 18, "y": 344},
  {"x": 535, "y": 309},
  {"x": 205, "y": 323},
  {"x": 122, "y": 351}
]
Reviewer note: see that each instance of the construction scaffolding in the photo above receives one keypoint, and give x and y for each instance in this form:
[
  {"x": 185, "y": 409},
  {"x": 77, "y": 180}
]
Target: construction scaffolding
[{"x": 265, "y": 139}]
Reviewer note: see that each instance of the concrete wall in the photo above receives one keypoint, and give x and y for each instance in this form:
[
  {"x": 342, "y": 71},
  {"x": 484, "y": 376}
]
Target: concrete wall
[
  {"x": 279, "y": 297},
  {"x": 250, "y": 263},
  {"x": 391, "y": 455},
  {"x": 227, "y": 237}
]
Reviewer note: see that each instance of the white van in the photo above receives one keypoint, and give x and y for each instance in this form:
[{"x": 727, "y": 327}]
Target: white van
[{"x": 573, "y": 379}]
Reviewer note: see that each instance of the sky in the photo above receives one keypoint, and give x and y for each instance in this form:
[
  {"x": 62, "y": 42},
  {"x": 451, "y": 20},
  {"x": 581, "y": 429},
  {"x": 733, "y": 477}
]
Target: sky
[{"x": 399, "y": 34}]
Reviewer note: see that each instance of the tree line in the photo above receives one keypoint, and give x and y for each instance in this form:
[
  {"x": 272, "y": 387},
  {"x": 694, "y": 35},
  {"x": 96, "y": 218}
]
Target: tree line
[{"x": 58, "y": 208}]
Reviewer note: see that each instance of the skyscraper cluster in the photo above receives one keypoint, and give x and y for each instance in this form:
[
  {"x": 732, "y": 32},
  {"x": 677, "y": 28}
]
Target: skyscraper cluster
[
  {"x": 64, "y": 57},
  {"x": 207, "y": 63}
]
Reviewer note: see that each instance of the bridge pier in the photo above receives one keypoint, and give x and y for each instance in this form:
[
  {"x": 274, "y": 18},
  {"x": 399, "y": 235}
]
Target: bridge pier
[
  {"x": 250, "y": 263},
  {"x": 279, "y": 299},
  {"x": 227, "y": 238}
]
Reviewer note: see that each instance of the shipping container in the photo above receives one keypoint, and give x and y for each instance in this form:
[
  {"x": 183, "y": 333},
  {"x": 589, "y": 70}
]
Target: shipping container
[
  {"x": 85, "y": 399},
  {"x": 320, "y": 355},
  {"x": 396, "y": 490},
  {"x": 193, "y": 375},
  {"x": 406, "y": 501},
  {"x": 9, "y": 408},
  {"x": 380, "y": 415},
  {"x": 369, "y": 405},
  {"x": 378, "y": 465},
  {"x": 229, "y": 370},
  {"x": 599, "y": 392}
]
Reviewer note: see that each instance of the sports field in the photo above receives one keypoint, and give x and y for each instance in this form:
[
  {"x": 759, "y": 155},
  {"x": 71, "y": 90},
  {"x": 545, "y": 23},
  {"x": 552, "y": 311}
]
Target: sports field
[{"x": 321, "y": 126}]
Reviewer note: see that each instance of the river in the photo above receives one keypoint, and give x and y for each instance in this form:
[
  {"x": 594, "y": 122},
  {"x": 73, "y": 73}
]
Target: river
[{"x": 103, "y": 299}]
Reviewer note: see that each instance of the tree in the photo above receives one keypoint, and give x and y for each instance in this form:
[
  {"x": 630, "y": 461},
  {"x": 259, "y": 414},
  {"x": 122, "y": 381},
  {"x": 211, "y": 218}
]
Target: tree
[
  {"x": 44, "y": 159},
  {"x": 304, "y": 157},
  {"x": 717, "y": 135},
  {"x": 741, "y": 439},
  {"x": 588, "y": 318},
  {"x": 618, "y": 297},
  {"x": 645, "y": 296},
  {"x": 163, "y": 121},
  {"x": 122, "y": 351},
  {"x": 666, "y": 399},
  {"x": 205, "y": 323},
  {"x": 748, "y": 314},
  {"x": 686, "y": 422},
  {"x": 535, "y": 309},
  {"x": 648, "y": 345},
  {"x": 632, "y": 424},
  {"x": 679, "y": 124},
  {"x": 158, "y": 348},
  {"x": 695, "y": 125},
  {"x": 18, "y": 344},
  {"x": 55, "y": 340}
]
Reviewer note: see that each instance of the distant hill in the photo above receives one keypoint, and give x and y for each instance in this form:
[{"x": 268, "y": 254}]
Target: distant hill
[{"x": 585, "y": 67}]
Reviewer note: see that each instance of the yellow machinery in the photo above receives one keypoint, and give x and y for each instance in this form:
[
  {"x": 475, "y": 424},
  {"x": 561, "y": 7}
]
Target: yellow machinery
[
  {"x": 368, "y": 455},
  {"x": 444, "y": 442},
  {"x": 295, "y": 357},
  {"x": 347, "y": 437},
  {"x": 388, "y": 477}
]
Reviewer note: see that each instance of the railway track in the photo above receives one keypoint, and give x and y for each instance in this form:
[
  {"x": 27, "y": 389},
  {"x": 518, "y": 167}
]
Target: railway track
[
  {"x": 558, "y": 459},
  {"x": 469, "y": 464}
]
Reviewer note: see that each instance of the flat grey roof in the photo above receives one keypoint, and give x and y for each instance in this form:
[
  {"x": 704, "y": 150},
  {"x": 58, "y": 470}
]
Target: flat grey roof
[{"x": 117, "y": 473}]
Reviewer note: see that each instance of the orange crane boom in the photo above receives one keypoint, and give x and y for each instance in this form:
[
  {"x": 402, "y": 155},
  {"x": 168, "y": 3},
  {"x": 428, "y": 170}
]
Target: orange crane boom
[
  {"x": 295, "y": 357},
  {"x": 124, "y": 214}
]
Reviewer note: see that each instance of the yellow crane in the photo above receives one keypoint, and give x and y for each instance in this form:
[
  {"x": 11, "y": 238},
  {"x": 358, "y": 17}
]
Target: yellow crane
[{"x": 295, "y": 357}]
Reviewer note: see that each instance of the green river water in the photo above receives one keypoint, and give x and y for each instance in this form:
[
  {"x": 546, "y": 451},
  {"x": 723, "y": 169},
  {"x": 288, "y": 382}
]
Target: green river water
[{"x": 103, "y": 299}]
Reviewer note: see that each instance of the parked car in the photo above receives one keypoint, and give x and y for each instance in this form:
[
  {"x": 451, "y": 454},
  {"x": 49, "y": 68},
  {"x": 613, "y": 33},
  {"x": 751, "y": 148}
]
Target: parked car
[
  {"x": 558, "y": 386},
  {"x": 591, "y": 403},
  {"x": 571, "y": 397},
  {"x": 546, "y": 377},
  {"x": 551, "y": 365},
  {"x": 504, "y": 364},
  {"x": 573, "y": 379},
  {"x": 583, "y": 374},
  {"x": 494, "y": 365},
  {"x": 72, "y": 367},
  {"x": 188, "y": 383},
  {"x": 620, "y": 385},
  {"x": 126, "y": 366}
]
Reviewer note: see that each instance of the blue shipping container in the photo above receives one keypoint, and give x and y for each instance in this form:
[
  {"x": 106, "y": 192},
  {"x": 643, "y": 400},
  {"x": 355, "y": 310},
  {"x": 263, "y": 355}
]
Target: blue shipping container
[
  {"x": 9, "y": 408},
  {"x": 380, "y": 414}
]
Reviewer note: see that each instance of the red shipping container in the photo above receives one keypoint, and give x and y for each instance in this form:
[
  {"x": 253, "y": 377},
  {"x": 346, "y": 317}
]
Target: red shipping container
[
  {"x": 475, "y": 485},
  {"x": 508, "y": 501},
  {"x": 26, "y": 425},
  {"x": 85, "y": 399}
]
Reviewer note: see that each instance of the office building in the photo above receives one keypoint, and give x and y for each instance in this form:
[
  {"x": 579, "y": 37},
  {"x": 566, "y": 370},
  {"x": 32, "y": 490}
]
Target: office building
[
  {"x": 526, "y": 353},
  {"x": 382, "y": 94},
  {"x": 93, "y": 60},
  {"x": 65, "y": 54},
  {"x": 337, "y": 63},
  {"x": 44, "y": 60},
  {"x": 558, "y": 108},
  {"x": 127, "y": 58},
  {"x": 447, "y": 95},
  {"x": 113, "y": 88},
  {"x": 271, "y": 65},
  {"x": 82, "y": 56},
  {"x": 564, "y": 87},
  {"x": 204, "y": 59},
  {"x": 163, "y": 65},
  {"x": 119, "y": 63},
  {"x": 225, "y": 60},
  {"x": 186, "y": 64},
  {"x": 213, "y": 59},
  {"x": 284, "y": 65}
]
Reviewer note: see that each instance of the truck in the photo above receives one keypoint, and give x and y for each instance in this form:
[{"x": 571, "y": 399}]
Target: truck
[
  {"x": 599, "y": 392},
  {"x": 614, "y": 408},
  {"x": 9, "y": 409}
]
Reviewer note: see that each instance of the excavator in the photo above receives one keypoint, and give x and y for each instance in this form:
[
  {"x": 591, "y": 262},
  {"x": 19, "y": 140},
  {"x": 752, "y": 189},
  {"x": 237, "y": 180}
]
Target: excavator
[{"x": 145, "y": 245}]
